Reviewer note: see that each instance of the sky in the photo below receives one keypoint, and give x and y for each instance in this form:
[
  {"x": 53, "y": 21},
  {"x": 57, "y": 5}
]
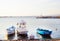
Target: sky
[{"x": 29, "y": 7}]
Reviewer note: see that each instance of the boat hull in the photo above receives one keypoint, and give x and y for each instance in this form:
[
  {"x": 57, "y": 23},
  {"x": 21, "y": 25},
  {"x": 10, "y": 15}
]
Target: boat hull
[{"x": 22, "y": 35}]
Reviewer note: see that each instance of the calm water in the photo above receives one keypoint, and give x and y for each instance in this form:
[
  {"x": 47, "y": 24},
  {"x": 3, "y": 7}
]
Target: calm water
[{"x": 32, "y": 24}]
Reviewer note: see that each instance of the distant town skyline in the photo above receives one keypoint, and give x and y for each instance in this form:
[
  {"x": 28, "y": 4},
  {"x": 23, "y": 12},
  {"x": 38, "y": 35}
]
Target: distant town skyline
[{"x": 29, "y": 7}]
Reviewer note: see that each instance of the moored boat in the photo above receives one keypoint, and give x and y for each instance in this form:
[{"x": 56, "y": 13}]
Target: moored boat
[
  {"x": 11, "y": 32},
  {"x": 22, "y": 31},
  {"x": 44, "y": 33}
]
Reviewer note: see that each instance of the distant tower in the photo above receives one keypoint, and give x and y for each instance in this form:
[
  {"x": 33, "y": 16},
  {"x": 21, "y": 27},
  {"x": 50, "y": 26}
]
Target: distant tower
[{"x": 41, "y": 14}]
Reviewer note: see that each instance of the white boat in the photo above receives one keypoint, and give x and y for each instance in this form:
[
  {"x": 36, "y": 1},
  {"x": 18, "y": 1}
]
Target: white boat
[{"x": 21, "y": 30}]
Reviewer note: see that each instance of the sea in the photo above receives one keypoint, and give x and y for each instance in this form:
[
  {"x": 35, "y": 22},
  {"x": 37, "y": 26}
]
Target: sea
[{"x": 32, "y": 23}]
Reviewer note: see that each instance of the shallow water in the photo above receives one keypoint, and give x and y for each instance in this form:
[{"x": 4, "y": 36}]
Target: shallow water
[{"x": 31, "y": 24}]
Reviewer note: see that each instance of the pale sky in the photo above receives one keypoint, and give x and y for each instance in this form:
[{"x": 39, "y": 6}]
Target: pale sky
[{"x": 29, "y": 7}]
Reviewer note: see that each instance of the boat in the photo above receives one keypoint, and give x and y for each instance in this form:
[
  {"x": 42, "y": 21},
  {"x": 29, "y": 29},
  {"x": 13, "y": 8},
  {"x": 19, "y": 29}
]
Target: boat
[
  {"x": 22, "y": 31},
  {"x": 44, "y": 33},
  {"x": 11, "y": 32}
]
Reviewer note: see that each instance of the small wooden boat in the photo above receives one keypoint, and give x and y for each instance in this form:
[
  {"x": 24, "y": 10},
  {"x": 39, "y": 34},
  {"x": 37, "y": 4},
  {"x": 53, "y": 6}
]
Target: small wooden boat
[
  {"x": 44, "y": 33},
  {"x": 11, "y": 32}
]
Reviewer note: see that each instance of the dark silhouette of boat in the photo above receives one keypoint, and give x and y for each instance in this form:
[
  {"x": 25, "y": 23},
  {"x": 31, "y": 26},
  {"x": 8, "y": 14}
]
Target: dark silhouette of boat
[
  {"x": 11, "y": 32},
  {"x": 44, "y": 33}
]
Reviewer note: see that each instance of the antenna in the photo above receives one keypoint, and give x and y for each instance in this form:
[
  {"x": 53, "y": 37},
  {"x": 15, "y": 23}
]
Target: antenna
[{"x": 41, "y": 14}]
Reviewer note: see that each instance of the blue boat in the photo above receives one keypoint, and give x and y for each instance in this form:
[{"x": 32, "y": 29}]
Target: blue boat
[
  {"x": 44, "y": 33},
  {"x": 11, "y": 30}
]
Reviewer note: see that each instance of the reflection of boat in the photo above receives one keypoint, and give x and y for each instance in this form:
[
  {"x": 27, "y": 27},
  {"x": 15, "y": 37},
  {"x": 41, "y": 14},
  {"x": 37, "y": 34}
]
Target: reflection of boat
[
  {"x": 44, "y": 33},
  {"x": 11, "y": 32},
  {"x": 21, "y": 31}
]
